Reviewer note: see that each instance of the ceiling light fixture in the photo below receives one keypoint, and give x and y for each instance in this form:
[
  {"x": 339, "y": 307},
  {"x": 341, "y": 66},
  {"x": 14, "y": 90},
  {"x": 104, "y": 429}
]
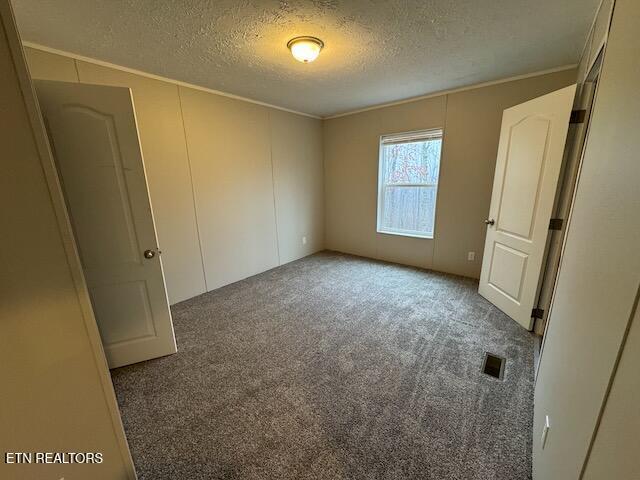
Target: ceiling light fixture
[{"x": 305, "y": 49}]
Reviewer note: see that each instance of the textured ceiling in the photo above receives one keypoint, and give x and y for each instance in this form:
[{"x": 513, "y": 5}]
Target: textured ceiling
[{"x": 375, "y": 51}]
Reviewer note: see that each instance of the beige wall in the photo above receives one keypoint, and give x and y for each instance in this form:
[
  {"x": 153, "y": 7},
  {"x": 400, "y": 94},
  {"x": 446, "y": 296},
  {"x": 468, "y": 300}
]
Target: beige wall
[
  {"x": 471, "y": 121},
  {"x": 234, "y": 185},
  {"x": 56, "y": 392},
  {"x": 615, "y": 453},
  {"x": 296, "y": 150},
  {"x": 229, "y": 149},
  {"x": 278, "y": 157},
  {"x": 597, "y": 288}
]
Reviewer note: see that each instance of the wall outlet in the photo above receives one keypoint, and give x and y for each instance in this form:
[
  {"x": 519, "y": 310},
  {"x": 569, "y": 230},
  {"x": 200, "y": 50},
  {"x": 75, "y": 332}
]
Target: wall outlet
[
  {"x": 545, "y": 431},
  {"x": 471, "y": 256},
  {"x": 304, "y": 240}
]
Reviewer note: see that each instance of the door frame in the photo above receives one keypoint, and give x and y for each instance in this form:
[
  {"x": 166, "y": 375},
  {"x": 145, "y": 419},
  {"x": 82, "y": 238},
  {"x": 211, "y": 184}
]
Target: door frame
[
  {"x": 64, "y": 224},
  {"x": 566, "y": 189}
]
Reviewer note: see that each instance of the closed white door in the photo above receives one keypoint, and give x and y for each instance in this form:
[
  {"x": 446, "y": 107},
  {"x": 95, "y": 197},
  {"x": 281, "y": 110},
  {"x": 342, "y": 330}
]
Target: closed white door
[
  {"x": 94, "y": 137},
  {"x": 530, "y": 154}
]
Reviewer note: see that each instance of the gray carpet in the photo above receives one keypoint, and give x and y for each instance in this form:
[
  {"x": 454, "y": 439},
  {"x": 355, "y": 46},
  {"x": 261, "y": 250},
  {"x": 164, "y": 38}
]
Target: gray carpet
[{"x": 334, "y": 367}]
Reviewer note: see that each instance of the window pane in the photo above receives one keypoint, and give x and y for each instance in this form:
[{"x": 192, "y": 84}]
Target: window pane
[
  {"x": 413, "y": 162},
  {"x": 409, "y": 210}
]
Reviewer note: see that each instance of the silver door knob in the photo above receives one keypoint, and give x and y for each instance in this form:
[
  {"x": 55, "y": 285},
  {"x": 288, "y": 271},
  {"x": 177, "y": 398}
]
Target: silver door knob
[
  {"x": 489, "y": 222},
  {"x": 149, "y": 254}
]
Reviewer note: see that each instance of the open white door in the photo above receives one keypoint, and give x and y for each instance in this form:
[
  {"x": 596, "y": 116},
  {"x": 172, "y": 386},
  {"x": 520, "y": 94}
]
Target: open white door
[
  {"x": 530, "y": 154},
  {"x": 94, "y": 137}
]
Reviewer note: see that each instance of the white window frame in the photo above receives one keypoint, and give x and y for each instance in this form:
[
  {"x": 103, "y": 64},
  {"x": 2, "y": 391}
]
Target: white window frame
[{"x": 406, "y": 137}]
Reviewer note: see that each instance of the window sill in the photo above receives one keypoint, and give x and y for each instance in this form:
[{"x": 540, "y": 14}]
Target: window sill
[{"x": 411, "y": 235}]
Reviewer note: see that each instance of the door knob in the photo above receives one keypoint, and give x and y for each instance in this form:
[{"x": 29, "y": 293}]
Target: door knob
[
  {"x": 489, "y": 222},
  {"x": 149, "y": 254}
]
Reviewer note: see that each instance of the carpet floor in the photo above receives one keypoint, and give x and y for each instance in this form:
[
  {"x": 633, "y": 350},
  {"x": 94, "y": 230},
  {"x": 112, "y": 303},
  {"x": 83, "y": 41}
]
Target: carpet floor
[{"x": 334, "y": 367}]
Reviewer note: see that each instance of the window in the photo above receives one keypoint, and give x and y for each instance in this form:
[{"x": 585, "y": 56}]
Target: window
[{"x": 408, "y": 182}]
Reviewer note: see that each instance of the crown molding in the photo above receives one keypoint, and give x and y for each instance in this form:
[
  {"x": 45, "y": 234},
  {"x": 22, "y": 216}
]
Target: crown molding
[
  {"x": 82, "y": 58},
  {"x": 454, "y": 90}
]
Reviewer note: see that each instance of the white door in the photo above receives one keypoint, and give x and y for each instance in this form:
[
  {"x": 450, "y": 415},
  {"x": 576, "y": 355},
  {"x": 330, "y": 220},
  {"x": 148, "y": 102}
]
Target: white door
[
  {"x": 530, "y": 154},
  {"x": 94, "y": 137}
]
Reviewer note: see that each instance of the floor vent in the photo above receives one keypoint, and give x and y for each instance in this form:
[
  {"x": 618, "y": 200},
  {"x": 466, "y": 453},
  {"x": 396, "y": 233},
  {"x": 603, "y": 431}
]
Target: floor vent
[{"x": 493, "y": 365}]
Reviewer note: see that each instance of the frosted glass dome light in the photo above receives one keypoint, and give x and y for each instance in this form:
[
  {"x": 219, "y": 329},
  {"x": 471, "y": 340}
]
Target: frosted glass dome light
[{"x": 305, "y": 49}]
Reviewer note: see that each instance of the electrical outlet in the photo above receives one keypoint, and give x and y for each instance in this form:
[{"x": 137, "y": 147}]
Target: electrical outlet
[
  {"x": 471, "y": 256},
  {"x": 545, "y": 431},
  {"x": 304, "y": 240}
]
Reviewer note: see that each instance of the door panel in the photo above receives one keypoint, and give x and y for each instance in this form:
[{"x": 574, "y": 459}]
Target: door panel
[
  {"x": 527, "y": 141},
  {"x": 126, "y": 309},
  {"x": 528, "y": 164},
  {"x": 94, "y": 137},
  {"x": 507, "y": 270},
  {"x": 93, "y": 174}
]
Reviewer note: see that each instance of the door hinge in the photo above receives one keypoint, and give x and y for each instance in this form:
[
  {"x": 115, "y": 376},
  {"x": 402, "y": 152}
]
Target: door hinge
[
  {"x": 555, "y": 224},
  {"x": 537, "y": 313},
  {"x": 577, "y": 116}
]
